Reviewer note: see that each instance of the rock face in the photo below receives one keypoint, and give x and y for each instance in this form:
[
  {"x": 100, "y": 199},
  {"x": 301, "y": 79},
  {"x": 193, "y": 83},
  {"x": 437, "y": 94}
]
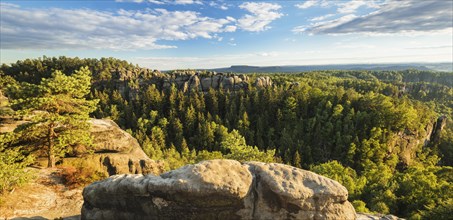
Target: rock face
[
  {"x": 118, "y": 152},
  {"x": 193, "y": 81},
  {"x": 263, "y": 81},
  {"x": 219, "y": 189},
  {"x": 365, "y": 216}
]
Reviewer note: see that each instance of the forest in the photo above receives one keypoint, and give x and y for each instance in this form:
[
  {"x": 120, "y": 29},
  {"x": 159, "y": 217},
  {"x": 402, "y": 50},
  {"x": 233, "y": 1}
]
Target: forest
[{"x": 386, "y": 136}]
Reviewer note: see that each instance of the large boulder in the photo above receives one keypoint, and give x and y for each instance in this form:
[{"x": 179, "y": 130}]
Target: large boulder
[
  {"x": 219, "y": 189},
  {"x": 118, "y": 152},
  {"x": 287, "y": 192}
]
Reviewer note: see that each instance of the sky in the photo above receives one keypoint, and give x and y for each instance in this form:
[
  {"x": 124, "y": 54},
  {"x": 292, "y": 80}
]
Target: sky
[{"x": 180, "y": 34}]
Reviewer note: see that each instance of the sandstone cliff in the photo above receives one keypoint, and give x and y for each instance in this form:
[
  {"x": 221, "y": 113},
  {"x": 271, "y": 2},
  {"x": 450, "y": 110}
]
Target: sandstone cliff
[
  {"x": 118, "y": 152},
  {"x": 193, "y": 81},
  {"x": 219, "y": 189},
  {"x": 129, "y": 82}
]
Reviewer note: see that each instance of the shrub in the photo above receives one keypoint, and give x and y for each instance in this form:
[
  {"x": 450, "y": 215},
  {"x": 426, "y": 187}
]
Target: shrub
[
  {"x": 12, "y": 165},
  {"x": 360, "y": 206},
  {"x": 80, "y": 172}
]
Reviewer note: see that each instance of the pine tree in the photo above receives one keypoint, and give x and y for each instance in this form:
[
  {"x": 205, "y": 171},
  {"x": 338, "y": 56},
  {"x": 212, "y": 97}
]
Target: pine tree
[
  {"x": 58, "y": 113},
  {"x": 297, "y": 160}
]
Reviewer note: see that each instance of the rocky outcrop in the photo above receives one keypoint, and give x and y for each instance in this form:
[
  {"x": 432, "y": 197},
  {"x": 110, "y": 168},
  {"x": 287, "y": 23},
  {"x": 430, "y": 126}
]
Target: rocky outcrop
[
  {"x": 407, "y": 143},
  {"x": 219, "y": 189},
  {"x": 439, "y": 125},
  {"x": 263, "y": 81},
  {"x": 194, "y": 81},
  {"x": 118, "y": 152},
  {"x": 115, "y": 150},
  {"x": 132, "y": 74},
  {"x": 365, "y": 216}
]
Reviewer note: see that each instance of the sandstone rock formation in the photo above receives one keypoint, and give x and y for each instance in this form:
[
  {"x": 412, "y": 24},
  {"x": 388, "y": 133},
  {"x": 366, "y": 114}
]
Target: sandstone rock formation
[
  {"x": 219, "y": 189},
  {"x": 118, "y": 152},
  {"x": 365, "y": 216},
  {"x": 406, "y": 143},
  {"x": 263, "y": 81},
  {"x": 194, "y": 81},
  {"x": 115, "y": 150}
]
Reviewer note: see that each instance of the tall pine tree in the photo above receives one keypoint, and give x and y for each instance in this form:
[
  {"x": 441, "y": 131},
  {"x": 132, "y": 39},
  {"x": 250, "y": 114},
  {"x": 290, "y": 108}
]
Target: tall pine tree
[{"x": 57, "y": 112}]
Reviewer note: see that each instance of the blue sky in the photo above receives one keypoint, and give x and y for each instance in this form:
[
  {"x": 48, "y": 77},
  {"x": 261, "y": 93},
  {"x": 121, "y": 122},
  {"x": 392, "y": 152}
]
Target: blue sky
[{"x": 170, "y": 34}]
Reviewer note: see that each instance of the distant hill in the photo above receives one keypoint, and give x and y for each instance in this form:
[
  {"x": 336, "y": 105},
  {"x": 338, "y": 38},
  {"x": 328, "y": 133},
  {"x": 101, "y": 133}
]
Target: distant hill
[{"x": 397, "y": 67}]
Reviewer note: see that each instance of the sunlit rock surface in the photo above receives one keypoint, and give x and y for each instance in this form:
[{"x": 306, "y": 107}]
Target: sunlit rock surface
[{"x": 219, "y": 189}]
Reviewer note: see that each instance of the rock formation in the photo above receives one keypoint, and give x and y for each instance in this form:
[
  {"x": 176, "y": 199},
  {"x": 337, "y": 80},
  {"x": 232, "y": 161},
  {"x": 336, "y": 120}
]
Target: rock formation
[
  {"x": 365, "y": 216},
  {"x": 194, "y": 81},
  {"x": 219, "y": 189},
  {"x": 437, "y": 129},
  {"x": 263, "y": 81},
  {"x": 115, "y": 150},
  {"x": 118, "y": 152},
  {"x": 407, "y": 143}
]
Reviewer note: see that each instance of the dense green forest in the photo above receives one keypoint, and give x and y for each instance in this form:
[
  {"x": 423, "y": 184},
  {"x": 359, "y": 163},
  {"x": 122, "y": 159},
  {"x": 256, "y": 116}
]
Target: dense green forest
[{"x": 382, "y": 134}]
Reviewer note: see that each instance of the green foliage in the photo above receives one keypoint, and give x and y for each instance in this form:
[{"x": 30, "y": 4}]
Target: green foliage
[
  {"x": 422, "y": 189},
  {"x": 442, "y": 210},
  {"x": 365, "y": 129},
  {"x": 344, "y": 175},
  {"x": 13, "y": 162},
  {"x": 238, "y": 150},
  {"x": 57, "y": 111},
  {"x": 360, "y": 206}
]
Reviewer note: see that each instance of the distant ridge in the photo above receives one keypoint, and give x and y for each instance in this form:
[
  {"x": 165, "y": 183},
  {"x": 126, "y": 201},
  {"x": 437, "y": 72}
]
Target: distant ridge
[{"x": 448, "y": 67}]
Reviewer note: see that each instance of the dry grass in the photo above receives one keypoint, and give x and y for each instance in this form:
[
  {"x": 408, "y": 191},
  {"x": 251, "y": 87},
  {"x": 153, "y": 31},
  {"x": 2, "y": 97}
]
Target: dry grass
[{"x": 80, "y": 172}]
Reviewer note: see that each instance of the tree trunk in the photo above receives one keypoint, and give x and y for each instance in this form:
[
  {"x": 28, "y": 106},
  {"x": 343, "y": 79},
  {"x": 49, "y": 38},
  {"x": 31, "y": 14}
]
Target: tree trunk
[{"x": 50, "y": 155}]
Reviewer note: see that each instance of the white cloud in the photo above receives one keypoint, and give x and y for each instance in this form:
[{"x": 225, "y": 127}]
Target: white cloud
[
  {"x": 268, "y": 54},
  {"x": 393, "y": 17},
  {"x": 323, "y": 17},
  {"x": 222, "y": 6},
  {"x": 160, "y": 2},
  {"x": 56, "y": 28},
  {"x": 230, "y": 28},
  {"x": 352, "y": 6},
  {"x": 230, "y": 18},
  {"x": 307, "y": 4},
  {"x": 5, "y": 4},
  {"x": 344, "y": 7},
  {"x": 312, "y": 3},
  {"x": 262, "y": 14},
  {"x": 324, "y": 25}
]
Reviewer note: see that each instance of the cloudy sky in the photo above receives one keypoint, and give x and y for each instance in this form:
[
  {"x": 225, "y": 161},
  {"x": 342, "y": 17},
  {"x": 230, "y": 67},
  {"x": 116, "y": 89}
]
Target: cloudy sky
[{"x": 169, "y": 34}]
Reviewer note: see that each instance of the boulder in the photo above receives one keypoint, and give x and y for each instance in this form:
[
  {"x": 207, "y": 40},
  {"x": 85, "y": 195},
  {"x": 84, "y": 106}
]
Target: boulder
[
  {"x": 216, "y": 81},
  {"x": 118, "y": 152},
  {"x": 365, "y": 216},
  {"x": 263, "y": 81},
  {"x": 219, "y": 189},
  {"x": 206, "y": 83},
  {"x": 109, "y": 137},
  {"x": 194, "y": 83},
  {"x": 227, "y": 82},
  {"x": 287, "y": 192}
]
